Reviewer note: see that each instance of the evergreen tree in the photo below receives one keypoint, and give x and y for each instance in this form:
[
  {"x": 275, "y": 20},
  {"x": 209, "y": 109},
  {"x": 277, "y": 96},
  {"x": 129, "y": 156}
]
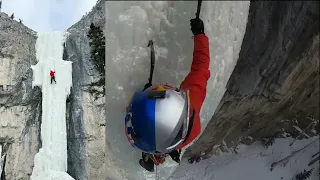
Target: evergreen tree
[
  {"x": 65, "y": 55},
  {"x": 0, "y": 4},
  {"x": 12, "y": 16},
  {"x": 97, "y": 45},
  {"x": 304, "y": 175}
]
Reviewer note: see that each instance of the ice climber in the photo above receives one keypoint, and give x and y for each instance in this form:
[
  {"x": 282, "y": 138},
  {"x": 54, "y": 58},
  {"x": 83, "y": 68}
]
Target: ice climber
[
  {"x": 52, "y": 76},
  {"x": 163, "y": 119}
]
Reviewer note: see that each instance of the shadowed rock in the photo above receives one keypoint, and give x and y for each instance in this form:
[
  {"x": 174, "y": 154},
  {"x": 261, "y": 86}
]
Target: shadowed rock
[{"x": 275, "y": 84}]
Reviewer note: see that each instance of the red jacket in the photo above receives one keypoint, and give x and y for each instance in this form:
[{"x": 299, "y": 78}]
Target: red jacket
[
  {"x": 52, "y": 73},
  {"x": 196, "y": 82}
]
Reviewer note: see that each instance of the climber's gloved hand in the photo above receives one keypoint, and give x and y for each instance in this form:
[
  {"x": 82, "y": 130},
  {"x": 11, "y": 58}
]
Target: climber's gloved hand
[
  {"x": 197, "y": 26},
  {"x": 175, "y": 155}
]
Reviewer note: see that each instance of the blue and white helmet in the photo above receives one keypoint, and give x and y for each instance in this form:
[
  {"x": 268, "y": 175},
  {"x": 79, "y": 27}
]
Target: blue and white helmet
[{"x": 157, "y": 119}]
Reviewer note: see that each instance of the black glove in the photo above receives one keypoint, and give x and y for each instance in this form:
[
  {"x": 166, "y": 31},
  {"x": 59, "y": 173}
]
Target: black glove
[
  {"x": 175, "y": 155},
  {"x": 146, "y": 162},
  {"x": 197, "y": 26}
]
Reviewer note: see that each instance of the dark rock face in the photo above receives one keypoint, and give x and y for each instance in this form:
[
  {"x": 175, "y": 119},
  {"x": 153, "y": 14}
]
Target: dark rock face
[
  {"x": 275, "y": 84},
  {"x": 76, "y": 155},
  {"x": 20, "y": 104},
  {"x": 78, "y": 51}
]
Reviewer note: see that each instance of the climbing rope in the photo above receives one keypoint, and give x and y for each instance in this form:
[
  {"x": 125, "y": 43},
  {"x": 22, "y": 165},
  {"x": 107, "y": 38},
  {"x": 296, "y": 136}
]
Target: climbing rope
[
  {"x": 157, "y": 177},
  {"x": 156, "y": 162}
]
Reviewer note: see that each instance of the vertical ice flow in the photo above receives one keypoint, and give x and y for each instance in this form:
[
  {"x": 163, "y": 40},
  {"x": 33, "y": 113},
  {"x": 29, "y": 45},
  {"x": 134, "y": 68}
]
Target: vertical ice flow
[
  {"x": 129, "y": 27},
  {"x": 50, "y": 162},
  {"x": 0, "y": 159}
]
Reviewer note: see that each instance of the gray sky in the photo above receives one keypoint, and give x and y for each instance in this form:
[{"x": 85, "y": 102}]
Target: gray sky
[{"x": 47, "y": 15}]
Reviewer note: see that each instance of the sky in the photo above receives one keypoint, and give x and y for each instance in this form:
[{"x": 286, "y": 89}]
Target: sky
[{"x": 47, "y": 15}]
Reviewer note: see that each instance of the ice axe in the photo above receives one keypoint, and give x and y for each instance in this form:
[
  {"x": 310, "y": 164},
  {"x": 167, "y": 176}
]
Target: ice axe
[
  {"x": 150, "y": 44},
  {"x": 198, "y": 9},
  {"x": 198, "y": 12},
  {"x": 149, "y": 84}
]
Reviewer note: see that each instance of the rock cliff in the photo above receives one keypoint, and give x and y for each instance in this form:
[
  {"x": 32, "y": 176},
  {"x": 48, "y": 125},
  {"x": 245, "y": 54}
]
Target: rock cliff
[
  {"x": 274, "y": 88},
  {"x": 86, "y": 123},
  {"x": 20, "y": 105}
]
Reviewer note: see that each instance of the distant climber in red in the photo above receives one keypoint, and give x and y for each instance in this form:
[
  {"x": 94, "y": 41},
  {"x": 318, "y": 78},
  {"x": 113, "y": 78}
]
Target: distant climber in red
[{"x": 52, "y": 76}]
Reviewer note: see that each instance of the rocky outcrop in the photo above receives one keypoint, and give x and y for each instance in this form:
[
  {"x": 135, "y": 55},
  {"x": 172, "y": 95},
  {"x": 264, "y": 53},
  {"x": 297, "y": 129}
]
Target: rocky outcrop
[
  {"x": 20, "y": 104},
  {"x": 86, "y": 124},
  {"x": 275, "y": 84}
]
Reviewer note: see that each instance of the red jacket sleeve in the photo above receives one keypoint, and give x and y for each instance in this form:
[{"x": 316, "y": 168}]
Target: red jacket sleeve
[{"x": 196, "y": 81}]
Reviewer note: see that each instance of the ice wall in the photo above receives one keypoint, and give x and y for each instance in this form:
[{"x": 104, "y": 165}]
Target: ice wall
[
  {"x": 129, "y": 26},
  {"x": 51, "y": 160},
  {"x": 0, "y": 160}
]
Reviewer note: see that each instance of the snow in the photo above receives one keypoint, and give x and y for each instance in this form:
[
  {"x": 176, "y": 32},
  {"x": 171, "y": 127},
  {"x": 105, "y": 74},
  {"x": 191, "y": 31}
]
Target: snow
[
  {"x": 313, "y": 131},
  {"x": 129, "y": 27},
  {"x": 50, "y": 162},
  {"x": 254, "y": 162}
]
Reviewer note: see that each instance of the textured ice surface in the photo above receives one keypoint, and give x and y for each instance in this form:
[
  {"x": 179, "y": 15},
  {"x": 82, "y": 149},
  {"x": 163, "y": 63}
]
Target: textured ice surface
[
  {"x": 50, "y": 162},
  {"x": 129, "y": 27},
  {"x": 0, "y": 159}
]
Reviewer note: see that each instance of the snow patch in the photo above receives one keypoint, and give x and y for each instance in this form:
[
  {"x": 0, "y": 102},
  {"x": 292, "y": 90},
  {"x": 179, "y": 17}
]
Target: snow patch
[{"x": 254, "y": 162}]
